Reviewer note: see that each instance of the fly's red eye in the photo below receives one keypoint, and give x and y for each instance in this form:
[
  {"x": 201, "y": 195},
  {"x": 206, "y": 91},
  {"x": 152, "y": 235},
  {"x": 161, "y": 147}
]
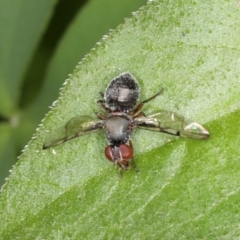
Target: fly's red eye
[
  {"x": 123, "y": 152},
  {"x": 126, "y": 151},
  {"x": 108, "y": 153}
]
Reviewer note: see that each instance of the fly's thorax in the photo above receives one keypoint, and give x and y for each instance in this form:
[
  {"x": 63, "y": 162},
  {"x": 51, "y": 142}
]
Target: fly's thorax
[
  {"x": 122, "y": 93},
  {"x": 118, "y": 129}
]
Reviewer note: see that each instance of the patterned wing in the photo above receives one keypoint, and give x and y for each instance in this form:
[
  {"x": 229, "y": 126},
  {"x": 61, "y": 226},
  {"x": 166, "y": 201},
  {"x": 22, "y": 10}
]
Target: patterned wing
[
  {"x": 172, "y": 123},
  {"x": 75, "y": 127}
]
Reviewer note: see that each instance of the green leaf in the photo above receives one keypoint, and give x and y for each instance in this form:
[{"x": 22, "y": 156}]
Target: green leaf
[{"x": 186, "y": 188}]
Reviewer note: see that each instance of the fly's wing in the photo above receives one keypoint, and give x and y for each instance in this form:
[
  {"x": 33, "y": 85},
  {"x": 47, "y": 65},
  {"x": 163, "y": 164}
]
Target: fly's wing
[
  {"x": 75, "y": 127},
  {"x": 172, "y": 123}
]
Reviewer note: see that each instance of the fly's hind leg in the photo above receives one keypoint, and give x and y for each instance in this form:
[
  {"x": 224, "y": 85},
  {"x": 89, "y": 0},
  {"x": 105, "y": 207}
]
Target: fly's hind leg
[
  {"x": 101, "y": 103},
  {"x": 136, "y": 112}
]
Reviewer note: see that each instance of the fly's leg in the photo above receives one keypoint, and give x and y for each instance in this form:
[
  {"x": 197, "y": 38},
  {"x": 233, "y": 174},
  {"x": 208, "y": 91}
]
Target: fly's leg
[
  {"x": 101, "y": 103},
  {"x": 101, "y": 116},
  {"x": 101, "y": 94},
  {"x": 132, "y": 160},
  {"x": 136, "y": 111},
  {"x": 125, "y": 163},
  {"x": 139, "y": 114}
]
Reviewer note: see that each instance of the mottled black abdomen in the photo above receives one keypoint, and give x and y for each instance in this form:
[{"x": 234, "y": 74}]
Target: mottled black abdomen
[{"x": 122, "y": 93}]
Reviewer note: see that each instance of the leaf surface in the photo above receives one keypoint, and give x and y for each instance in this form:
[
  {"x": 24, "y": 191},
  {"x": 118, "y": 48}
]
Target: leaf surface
[{"x": 186, "y": 189}]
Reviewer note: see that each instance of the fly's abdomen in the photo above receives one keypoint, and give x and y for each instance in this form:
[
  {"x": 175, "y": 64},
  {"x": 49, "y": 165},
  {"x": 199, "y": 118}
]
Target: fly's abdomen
[{"x": 122, "y": 93}]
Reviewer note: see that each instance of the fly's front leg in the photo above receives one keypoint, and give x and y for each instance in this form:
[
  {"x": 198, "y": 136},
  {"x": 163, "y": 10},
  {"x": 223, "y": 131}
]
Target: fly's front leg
[{"x": 132, "y": 160}]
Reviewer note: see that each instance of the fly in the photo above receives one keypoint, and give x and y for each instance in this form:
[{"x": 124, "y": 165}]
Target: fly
[{"x": 121, "y": 116}]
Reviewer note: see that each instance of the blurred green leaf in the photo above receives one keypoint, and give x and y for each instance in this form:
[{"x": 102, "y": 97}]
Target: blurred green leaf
[
  {"x": 185, "y": 188},
  {"x": 7, "y": 155},
  {"x": 22, "y": 23}
]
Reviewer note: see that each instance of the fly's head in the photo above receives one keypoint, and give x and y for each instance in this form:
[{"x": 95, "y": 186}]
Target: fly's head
[{"x": 120, "y": 155}]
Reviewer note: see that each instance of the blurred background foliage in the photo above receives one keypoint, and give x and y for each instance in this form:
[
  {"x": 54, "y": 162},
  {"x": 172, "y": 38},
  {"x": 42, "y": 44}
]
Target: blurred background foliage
[{"x": 37, "y": 55}]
